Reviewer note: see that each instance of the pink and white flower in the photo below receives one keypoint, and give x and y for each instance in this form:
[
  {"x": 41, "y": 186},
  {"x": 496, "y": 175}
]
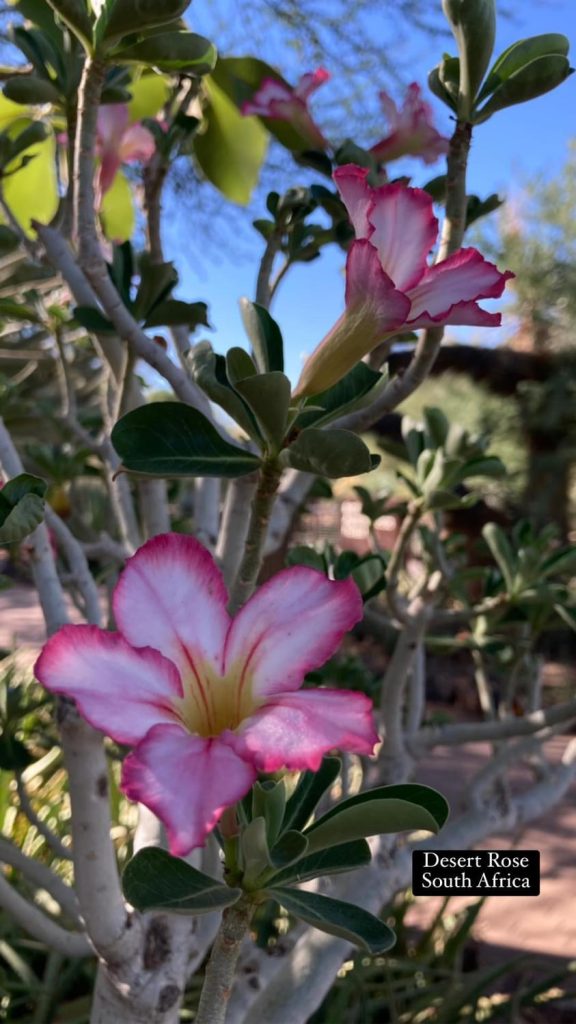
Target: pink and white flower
[
  {"x": 412, "y": 131},
  {"x": 207, "y": 701},
  {"x": 280, "y": 102},
  {"x": 119, "y": 142},
  {"x": 389, "y": 284}
]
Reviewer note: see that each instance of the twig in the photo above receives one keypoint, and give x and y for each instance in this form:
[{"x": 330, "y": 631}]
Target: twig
[
  {"x": 475, "y": 732},
  {"x": 42, "y": 877},
  {"x": 221, "y": 966},
  {"x": 33, "y": 921},
  {"x": 234, "y": 525},
  {"x": 54, "y": 841},
  {"x": 245, "y": 583},
  {"x": 78, "y": 564}
]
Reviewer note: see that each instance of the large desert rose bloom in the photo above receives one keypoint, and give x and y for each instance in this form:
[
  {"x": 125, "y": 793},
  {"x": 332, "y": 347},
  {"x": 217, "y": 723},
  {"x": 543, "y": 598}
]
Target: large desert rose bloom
[
  {"x": 278, "y": 101},
  {"x": 119, "y": 142},
  {"x": 389, "y": 284},
  {"x": 207, "y": 701},
  {"x": 412, "y": 131}
]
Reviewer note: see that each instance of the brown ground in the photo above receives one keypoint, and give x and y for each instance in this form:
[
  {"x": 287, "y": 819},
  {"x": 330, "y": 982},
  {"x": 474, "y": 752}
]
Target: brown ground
[{"x": 544, "y": 924}]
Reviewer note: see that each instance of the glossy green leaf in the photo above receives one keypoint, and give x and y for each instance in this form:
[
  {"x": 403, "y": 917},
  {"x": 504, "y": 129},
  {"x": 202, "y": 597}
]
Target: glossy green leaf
[
  {"x": 255, "y": 851},
  {"x": 502, "y": 552},
  {"x": 171, "y": 439},
  {"x": 209, "y": 372},
  {"x": 149, "y": 92},
  {"x": 334, "y": 861},
  {"x": 231, "y": 149},
  {"x": 308, "y": 793},
  {"x": 21, "y": 507},
  {"x": 124, "y": 17},
  {"x": 337, "y": 918},
  {"x": 264, "y": 335},
  {"x": 174, "y": 312},
  {"x": 117, "y": 210},
  {"x": 32, "y": 193},
  {"x": 268, "y": 395},
  {"x": 154, "y": 880},
  {"x": 380, "y": 811},
  {"x": 521, "y": 53},
  {"x": 529, "y": 82},
  {"x": 170, "y": 51},
  {"x": 331, "y": 453},
  {"x": 93, "y": 320},
  {"x": 30, "y": 90},
  {"x": 343, "y": 397},
  {"x": 303, "y": 555},
  {"x": 239, "y": 365},
  {"x": 11, "y": 310},
  {"x": 291, "y": 846},
  {"x": 156, "y": 282},
  {"x": 269, "y": 802},
  {"x": 74, "y": 14},
  {"x": 370, "y": 576}
]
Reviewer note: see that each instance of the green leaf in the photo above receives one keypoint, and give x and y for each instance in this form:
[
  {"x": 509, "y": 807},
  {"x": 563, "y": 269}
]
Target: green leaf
[
  {"x": 308, "y": 793},
  {"x": 337, "y": 918},
  {"x": 22, "y": 519},
  {"x": 173, "y": 312},
  {"x": 154, "y": 880},
  {"x": 209, "y": 372},
  {"x": 303, "y": 555},
  {"x": 529, "y": 82},
  {"x": 378, "y": 812},
  {"x": 370, "y": 576},
  {"x": 264, "y": 335},
  {"x": 14, "y": 755},
  {"x": 156, "y": 282},
  {"x": 117, "y": 210},
  {"x": 170, "y": 51},
  {"x": 340, "y": 398},
  {"x": 521, "y": 53},
  {"x": 171, "y": 439},
  {"x": 334, "y": 861},
  {"x": 269, "y": 802},
  {"x": 255, "y": 850},
  {"x": 239, "y": 365},
  {"x": 74, "y": 14},
  {"x": 19, "y": 486},
  {"x": 268, "y": 395},
  {"x": 10, "y": 310},
  {"x": 240, "y": 78},
  {"x": 561, "y": 561},
  {"x": 124, "y": 17},
  {"x": 231, "y": 149},
  {"x": 93, "y": 320},
  {"x": 32, "y": 193},
  {"x": 291, "y": 846},
  {"x": 568, "y": 615},
  {"x": 331, "y": 453},
  {"x": 502, "y": 553},
  {"x": 31, "y": 90}
]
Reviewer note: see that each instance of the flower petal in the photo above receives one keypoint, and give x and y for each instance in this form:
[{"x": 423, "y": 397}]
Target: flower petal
[
  {"x": 266, "y": 99},
  {"x": 310, "y": 82},
  {"x": 356, "y": 195},
  {"x": 404, "y": 231},
  {"x": 468, "y": 314},
  {"x": 291, "y": 625},
  {"x": 171, "y": 596},
  {"x": 113, "y": 119},
  {"x": 366, "y": 281},
  {"x": 186, "y": 781},
  {"x": 137, "y": 144},
  {"x": 296, "y": 729},
  {"x": 464, "y": 277},
  {"x": 121, "y": 690}
]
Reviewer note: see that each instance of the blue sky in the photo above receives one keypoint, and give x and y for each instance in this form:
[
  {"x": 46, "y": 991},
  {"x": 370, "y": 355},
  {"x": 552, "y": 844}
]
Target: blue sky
[{"x": 514, "y": 144}]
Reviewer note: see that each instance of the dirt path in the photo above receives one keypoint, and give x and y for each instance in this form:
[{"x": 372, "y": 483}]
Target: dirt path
[{"x": 543, "y": 924}]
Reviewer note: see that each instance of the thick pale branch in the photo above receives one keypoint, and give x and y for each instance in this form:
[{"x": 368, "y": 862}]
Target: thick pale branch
[
  {"x": 475, "y": 732},
  {"x": 41, "y": 877}
]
